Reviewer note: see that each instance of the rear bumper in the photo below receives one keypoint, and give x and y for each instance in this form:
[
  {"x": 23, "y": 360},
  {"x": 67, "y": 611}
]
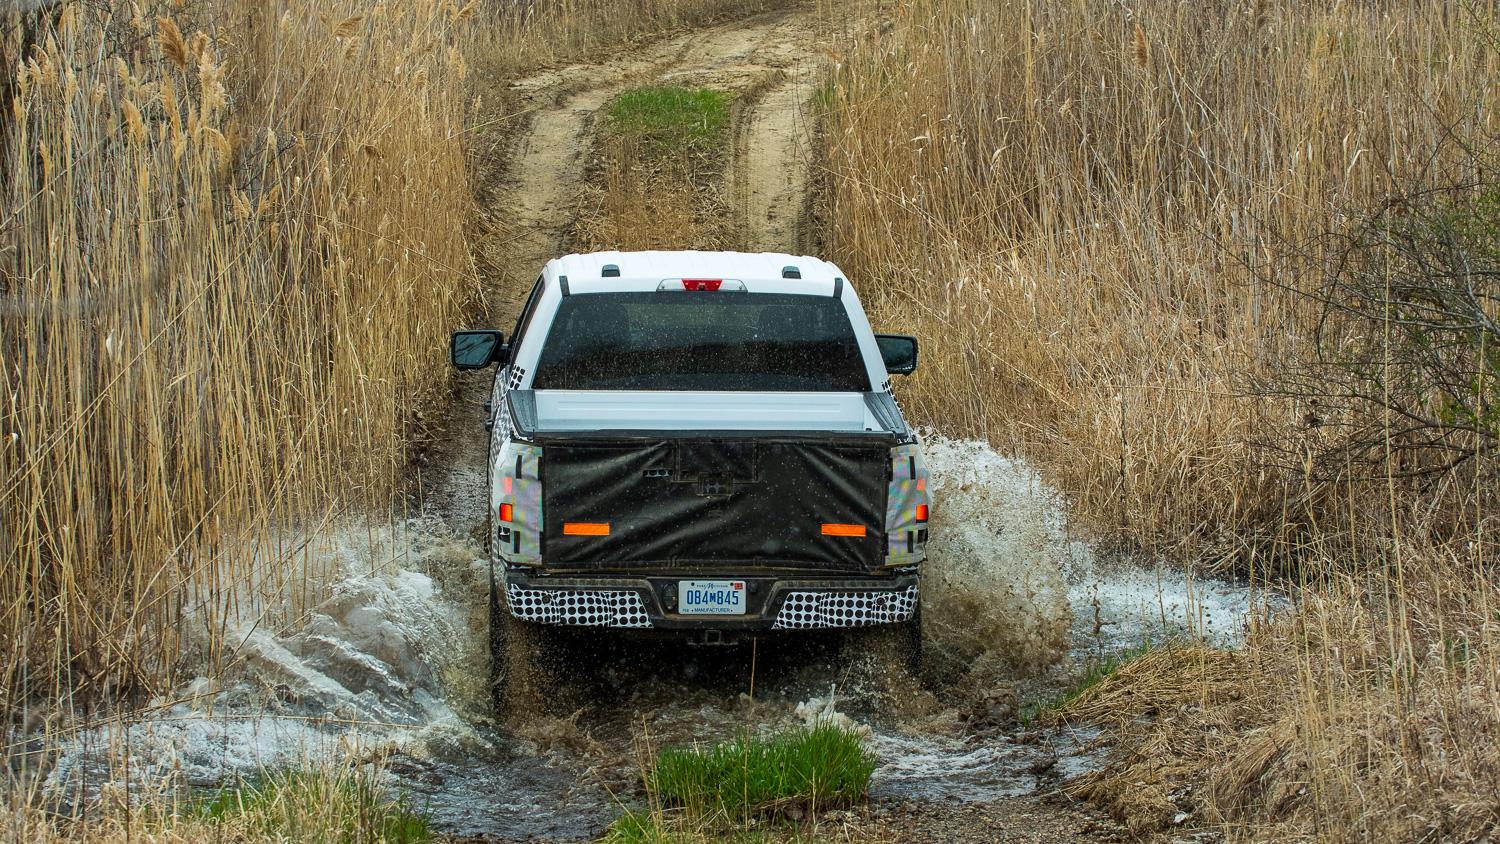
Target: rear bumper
[{"x": 773, "y": 602}]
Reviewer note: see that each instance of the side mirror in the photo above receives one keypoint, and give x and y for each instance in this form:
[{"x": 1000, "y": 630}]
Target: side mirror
[
  {"x": 477, "y": 349},
  {"x": 899, "y": 351}
]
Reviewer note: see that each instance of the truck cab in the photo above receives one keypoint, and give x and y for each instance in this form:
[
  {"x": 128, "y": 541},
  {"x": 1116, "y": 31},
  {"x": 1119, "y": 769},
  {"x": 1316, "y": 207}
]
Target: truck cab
[{"x": 699, "y": 443}]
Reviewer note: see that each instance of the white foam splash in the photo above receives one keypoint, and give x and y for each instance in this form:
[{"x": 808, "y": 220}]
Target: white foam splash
[
  {"x": 1123, "y": 606},
  {"x": 994, "y": 597},
  {"x": 824, "y": 710},
  {"x": 362, "y": 668},
  {"x": 1009, "y": 585}
]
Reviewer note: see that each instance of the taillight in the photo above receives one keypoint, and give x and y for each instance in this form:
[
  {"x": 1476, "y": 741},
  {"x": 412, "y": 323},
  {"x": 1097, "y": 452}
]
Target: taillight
[
  {"x": 701, "y": 285},
  {"x": 921, "y": 512},
  {"x": 517, "y": 499}
]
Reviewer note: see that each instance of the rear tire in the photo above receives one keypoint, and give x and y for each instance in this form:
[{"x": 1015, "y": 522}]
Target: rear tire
[
  {"x": 499, "y": 651},
  {"x": 885, "y": 660},
  {"x": 523, "y": 659}
]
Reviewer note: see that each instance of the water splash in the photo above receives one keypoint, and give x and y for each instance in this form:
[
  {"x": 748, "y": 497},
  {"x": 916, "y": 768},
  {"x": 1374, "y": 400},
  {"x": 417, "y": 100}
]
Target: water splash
[
  {"x": 993, "y": 598},
  {"x": 1009, "y": 586},
  {"x": 391, "y": 662},
  {"x": 363, "y": 668}
]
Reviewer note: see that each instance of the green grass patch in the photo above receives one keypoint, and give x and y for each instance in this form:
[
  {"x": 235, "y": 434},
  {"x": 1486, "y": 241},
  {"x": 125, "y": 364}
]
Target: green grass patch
[
  {"x": 825, "y": 97},
  {"x": 671, "y": 120},
  {"x": 644, "y": 828},
  {"x": 815, "y": 768},
  {"x": 1095, "y": 671},
  {"x": 339, "y": 806}
]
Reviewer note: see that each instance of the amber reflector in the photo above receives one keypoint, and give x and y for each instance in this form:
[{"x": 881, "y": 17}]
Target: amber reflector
[
  {"x": 586, "y": 528},
  {"x": 843, "y": 530}
]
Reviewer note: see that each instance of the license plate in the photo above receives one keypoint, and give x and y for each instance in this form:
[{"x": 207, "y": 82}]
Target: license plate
[{"x": 711, "y": 597}]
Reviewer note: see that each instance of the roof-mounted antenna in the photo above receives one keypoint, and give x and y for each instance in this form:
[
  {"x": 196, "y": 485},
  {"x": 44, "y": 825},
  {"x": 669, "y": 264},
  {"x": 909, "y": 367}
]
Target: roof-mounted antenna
[
  {"x": 610, "y": 271},
  {"x": 790, "y": 271}
]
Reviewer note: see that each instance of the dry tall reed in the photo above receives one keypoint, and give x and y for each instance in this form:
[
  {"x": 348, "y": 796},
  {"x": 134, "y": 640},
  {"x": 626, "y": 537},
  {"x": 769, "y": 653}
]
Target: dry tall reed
[
  {"x": 521, "y": 34},
  {"x": 1075, "y": 205},
  {"x": 233, "y": 248},
  {"x": 1064, "y": 200}
]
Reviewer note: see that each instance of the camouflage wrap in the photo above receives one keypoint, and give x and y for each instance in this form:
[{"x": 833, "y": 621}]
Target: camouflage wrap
[
  {"x": 906, "y": 538},
  {"x": 517, "y": 476}
]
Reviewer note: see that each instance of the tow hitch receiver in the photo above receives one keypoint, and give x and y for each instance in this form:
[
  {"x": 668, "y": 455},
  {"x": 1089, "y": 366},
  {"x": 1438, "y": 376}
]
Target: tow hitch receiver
[{"x": 713, "y": 638}]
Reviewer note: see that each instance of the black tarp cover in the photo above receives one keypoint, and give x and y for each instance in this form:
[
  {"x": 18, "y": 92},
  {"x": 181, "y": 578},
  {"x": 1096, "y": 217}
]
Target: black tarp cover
[{"x": 722, "y": 502}]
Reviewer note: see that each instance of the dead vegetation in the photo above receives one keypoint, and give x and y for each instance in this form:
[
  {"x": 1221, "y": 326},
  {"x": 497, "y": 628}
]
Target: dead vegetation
[
  {"x": 1129, "y": 237},
  {"x": 235, "y": 241},
  {"x": 525, "y": 34},
  {"x": 233, "y": 248},
  {"x": 1087, "y": 244},
  {"x": 1360, "y": 717}
]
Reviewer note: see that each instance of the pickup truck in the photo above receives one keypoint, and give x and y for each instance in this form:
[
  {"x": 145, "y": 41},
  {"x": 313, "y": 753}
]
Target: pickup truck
[{"x": 703, "y": 444}]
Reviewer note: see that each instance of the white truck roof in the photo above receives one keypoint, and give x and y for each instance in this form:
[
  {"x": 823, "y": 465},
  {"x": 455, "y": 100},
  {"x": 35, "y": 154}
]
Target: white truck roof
[{"x": 765, "y": 272}]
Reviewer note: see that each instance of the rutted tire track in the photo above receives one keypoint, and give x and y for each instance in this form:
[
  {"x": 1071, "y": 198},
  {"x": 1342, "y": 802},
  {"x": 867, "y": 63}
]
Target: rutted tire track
[{"x": 773, "y": 155}]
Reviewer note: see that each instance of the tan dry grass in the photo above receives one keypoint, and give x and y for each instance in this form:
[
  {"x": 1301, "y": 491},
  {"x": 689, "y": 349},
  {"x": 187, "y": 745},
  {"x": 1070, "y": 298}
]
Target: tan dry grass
[
  {"x": 333, "y": 802},
  {"x": 1343, "y": 722},
  {"x": 656, "y": 180},
  {"x": 522, "y": 34},
  {"x": 635, "y": 200},
  {"x": 1060, "y": 200},
  {"x": 636, "y": 208},
  {"x": 233, "y": 251}
]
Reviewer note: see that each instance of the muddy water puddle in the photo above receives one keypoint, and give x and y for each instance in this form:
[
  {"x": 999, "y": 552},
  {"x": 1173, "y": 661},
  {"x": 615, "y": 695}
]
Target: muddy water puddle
[{"x": 392, "y": 667}]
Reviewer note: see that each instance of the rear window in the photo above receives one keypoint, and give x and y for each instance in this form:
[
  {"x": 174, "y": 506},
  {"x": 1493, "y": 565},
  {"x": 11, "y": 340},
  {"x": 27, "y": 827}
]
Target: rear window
[{"x": 773, "y": 342}]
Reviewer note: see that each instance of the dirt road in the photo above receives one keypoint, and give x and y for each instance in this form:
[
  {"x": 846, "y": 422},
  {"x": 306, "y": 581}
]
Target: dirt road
[{"x": 942, "y": 784}]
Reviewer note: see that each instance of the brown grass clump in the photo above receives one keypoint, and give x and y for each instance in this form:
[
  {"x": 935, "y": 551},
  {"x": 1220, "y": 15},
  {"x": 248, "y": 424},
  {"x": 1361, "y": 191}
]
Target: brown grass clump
[
  {"x": 1064, "y": 202},
  {"x": 1346, "y": 721},
  {"x": 521, "y": 34},
  {"x": 657, "y": 176},
  {"x": 234, "y": 246},
  {"x": 332, "y": 801},
  {"x": 634, "y": 202}
]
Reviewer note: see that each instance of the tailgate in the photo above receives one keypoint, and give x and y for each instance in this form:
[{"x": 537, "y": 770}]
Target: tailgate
[{"x": 715, "y": 502}]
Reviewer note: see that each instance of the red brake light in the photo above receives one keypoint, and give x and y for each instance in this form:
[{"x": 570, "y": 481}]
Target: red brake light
[
  {"x": 921, "y": 512},
  {"x": 702, "y": 284},
  {"x": 507, "y": 513}
]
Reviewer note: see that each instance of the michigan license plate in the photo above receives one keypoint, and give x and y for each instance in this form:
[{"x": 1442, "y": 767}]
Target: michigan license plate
[{"x": 711, "y": 597}]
